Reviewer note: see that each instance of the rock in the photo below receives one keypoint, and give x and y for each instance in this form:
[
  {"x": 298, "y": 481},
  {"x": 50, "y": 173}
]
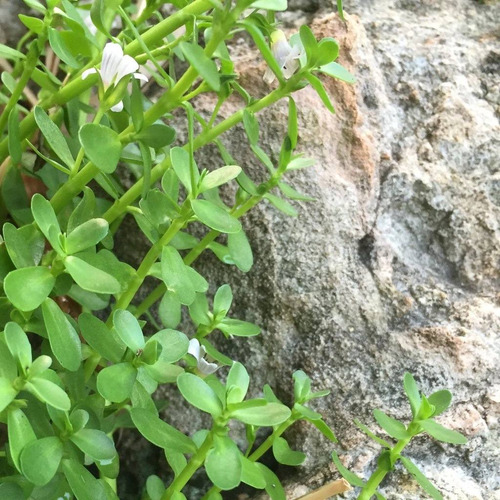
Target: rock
[
  {"x": 394, "y": 267},
  {"x": 11, "y": 28}
]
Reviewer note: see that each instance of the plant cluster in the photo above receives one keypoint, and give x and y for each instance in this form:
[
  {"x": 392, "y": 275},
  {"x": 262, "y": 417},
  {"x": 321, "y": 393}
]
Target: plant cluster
[{"x": 80, "y": 356}]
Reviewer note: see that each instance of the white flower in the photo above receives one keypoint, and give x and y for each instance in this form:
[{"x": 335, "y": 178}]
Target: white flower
[
  {"x": 198, "y": 352},
  {"x": 286, "y": 56},
  {"x": 114, "y": 67}
]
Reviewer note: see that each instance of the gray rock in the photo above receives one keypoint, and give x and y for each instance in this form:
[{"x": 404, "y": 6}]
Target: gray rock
[
  {"x": 11, "y": 28},
  {"x": 395, "y": 267}
]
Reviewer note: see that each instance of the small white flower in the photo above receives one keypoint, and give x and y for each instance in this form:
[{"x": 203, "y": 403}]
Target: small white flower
[
  {"x": 114, "y": 67},
  {"x": 286, "y": 56},
  {"x": 198, "y": 352}
]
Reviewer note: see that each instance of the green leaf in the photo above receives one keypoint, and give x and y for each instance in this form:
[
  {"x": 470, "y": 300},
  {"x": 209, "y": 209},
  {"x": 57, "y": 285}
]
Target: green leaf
[
  {"x": 203, "y": 65},
  {"x": 237, "y": 383},
  {"x": 19, "y": 345},
  {"x": 181, "y": 165},
  {"x": 176, "y": 276},
  {"x": 324, "y": 429},
  {"x": 426, "y": 485},
  {"x": 54, "y": 136},
  {"x": 115, "y": 383},
  {"x": 441, "y": 401},
  {"x": 223, "y": 463},
  {"x": 310, "y": 45},
  {"x": 251, "y": 126},
  {"x": 238, "y": 328},
  {"x": 40, "y": 459},
  {"x": 218, "y": 177},
  {"x": 84, "y": 211},
  {"x": 292, "y": 193},
  {"x": 328, "y": 51},
  {"x": 25, "y": 245},
  {"x": 20, "y": 434},
  {"x": 222, "y": 300},
  {"x": 281, "y": 204},
  {"x": 94, "y": 443},
  {"x": 370, "y": 434},
  {"x": 277, "y": 5},
  {"x": 337, "y": 71},
  {"x": 302, "y": 385},
  {"x": 102, "y": 146},
  {"x": 160, "y": 433},
  {"x": 320, "y": 90},
  {"x": 349, "y": 476},
  {"x": 263, "y": 416},
  {"x": 59, "y": 44},
  {"x": 101, "y": 338},
  {"x": 91, "y": 278},
  {"x": 36, "y": 5},
  {"x": 8, "y": 368},
  {"x": 215, "y": 217},
  {"x": 154, "y": 487},
  {"x": 64, "y": 340},
  {"x": 285, "y": 455},
  {"x": 157, "y": 136},
  {"x": 128, "y": 329},
  {"x": 48, "y": 392},
  {"x": 9, "y": 53},
  {"x": 412, "y": 392},
  {"x": 82, "y": 483},
  {"x": 11, "y": 491},
  {"x": 169, "y": 310},
  {"x": 174, "y": 345},
  {"x": 7, "y": 393},
  {"x": 293, "y": 132},
  {"x": 437, "y": 431},
  {"x": 263, "y": 47},
  {"x": 14, "y": 137},
  {"x": 46, "y": 219},
  {"x": 250, "y": 474},
  {"x": 393, "y": 427},
  {"x": 38, "y": 280},
  {"x": 32, "y": 23},
  {"x": 199, "y": 394},
  {"x": 273, "y": 485},
  {"x": 240, "y": 250},
  {"x": 86, "y": 235}
]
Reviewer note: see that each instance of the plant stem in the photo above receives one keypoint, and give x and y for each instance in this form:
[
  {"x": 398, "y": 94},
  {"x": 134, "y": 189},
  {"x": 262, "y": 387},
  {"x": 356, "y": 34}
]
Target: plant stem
[
  {"x": 177, "y": 224},
  {"x": 120, "y": 206},
  {"x": 29, "y": 66},
  {"x": 192, "y": 466},
  {"x": 77, "y": 85},
  {"x": 201, "y": 246},
  {"x": 381, "y": 471},
  {"x": 166, "y": 103}
]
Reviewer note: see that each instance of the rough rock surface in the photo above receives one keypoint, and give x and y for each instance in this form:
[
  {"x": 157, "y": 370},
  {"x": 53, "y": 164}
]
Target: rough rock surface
[{"x": 395, "y": 267}]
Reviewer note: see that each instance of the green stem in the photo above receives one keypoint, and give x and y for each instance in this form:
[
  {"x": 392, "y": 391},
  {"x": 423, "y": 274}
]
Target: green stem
[
  {"x": 192, "y": 466},
  {"x": 154, "y": 252},
  {"x": 165, "y": 104},
  {"x": 201, "y": 246},
  {"x": 120, "y": 206},
  {"x": 77, "y": 85},
  {"x": 29, "y": 66},
  {"x": 381, "y": 471}
]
